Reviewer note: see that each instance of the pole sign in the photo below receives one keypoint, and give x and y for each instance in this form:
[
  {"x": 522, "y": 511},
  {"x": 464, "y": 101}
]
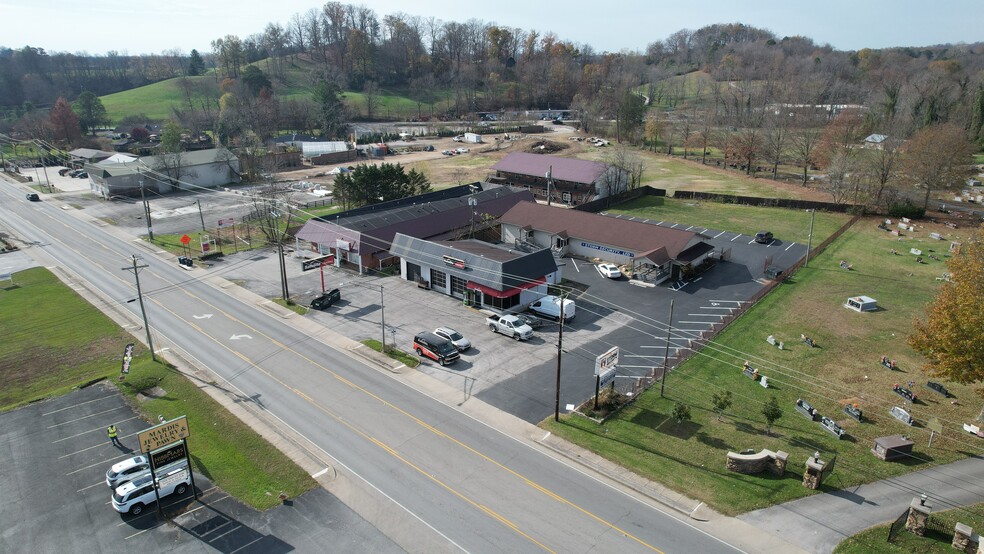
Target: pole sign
[
  {"x": 606, "y": 377},
  {"x": 606, "y": 361},
  {"x": 227, "y": 222},
  {"x": 315, "y": 263},
  {"x": 168, "y": 455},
  {"x": 127, "y": 358},
  {"x": 164, "y": 434}
]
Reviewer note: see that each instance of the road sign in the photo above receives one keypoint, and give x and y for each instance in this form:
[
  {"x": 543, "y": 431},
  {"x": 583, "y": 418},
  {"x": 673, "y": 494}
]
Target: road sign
[
  {"x": 606, "y": 361},
  {"x": 227, "y": 222},
  {"x": 164, "y": 434},
  {"x": 168, "y": 455},
  {"x": 185, "y": 240}
]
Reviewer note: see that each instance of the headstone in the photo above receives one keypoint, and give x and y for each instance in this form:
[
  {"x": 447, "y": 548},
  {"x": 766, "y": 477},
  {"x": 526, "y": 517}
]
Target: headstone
[
  {"x": 904, "y": 393},
  {"x": 915, "y": 252},
  {"x": 938, "y": 388},
  {"x": 804, "y": 407},
  {"x": 901, "y": 415},
  {"x": 854, "y": 411},
  {"x": 771, "y": 340},
  {"x": 905, "y": 220},
  {"x": 903, "y": 226},
  {"x": 764, "y": 381},
  {"x": 832, "y": 426},
  {"x": 935, "y": 236}
]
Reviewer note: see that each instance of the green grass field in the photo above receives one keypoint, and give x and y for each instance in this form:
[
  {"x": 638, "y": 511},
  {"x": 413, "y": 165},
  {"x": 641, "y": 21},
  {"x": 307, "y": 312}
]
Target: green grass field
[
  {"x": 55, "y": 341},
  {"x": 875, "y": 539},
  {"x": 690, "y": 457}
]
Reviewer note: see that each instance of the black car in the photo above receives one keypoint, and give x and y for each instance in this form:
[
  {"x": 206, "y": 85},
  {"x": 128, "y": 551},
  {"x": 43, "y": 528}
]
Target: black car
[
  {"x": 33, "y": 197},
  {"x": 763, "y": 237},
  {"x": 439, "y": 349},
  {"x": 326, "y": 300}
]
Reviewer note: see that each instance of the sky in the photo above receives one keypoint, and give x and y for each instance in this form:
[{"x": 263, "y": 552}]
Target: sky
[{"x": 613, "y": 25}]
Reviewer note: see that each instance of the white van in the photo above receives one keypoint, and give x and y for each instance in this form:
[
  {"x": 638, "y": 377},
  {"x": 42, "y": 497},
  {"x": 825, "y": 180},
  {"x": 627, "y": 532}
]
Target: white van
[
  {"x": 133, "y": 496},
  {"x": 549, "y": 306}
]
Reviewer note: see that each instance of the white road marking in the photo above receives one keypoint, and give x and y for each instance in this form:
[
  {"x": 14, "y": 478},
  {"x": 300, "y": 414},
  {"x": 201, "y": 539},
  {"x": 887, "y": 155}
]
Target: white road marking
[
  {"x": 736, "y": 236},
  {"x": 320, "y": 473},
  {"x": 79, "y": 404},
  {"x": 719, "y": 234},
  {"x": 792, "y": 244},
  {"x": 206, "y": 316},
  {"x": 237, "y": 337}
]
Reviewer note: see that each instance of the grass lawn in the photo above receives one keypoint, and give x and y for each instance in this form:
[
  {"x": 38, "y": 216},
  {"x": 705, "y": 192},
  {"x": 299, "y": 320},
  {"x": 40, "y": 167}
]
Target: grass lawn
[
  {"x": 690, "y": 457},
  {"x": 874, "y": 540},
  {"x": 54, "y": 341},
  {"x": 786, "y": 224}
]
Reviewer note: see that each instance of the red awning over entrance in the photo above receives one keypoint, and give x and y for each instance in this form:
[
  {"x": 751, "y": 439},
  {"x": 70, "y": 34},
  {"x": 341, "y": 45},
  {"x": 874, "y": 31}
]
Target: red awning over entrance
[{"x": 505, "y": 293}]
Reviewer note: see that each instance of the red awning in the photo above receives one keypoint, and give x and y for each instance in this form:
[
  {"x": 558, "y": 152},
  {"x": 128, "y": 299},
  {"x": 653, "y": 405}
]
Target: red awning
[{"x": 505, "y": 293}]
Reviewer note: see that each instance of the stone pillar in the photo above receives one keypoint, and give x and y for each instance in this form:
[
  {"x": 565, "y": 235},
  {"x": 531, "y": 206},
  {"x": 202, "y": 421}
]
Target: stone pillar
[
  {"x": 965, "y": 539},
  {"x": 814, "y": 473},
  {"x": 918, "y": 517},
  {"x": 779, "y": 465}
]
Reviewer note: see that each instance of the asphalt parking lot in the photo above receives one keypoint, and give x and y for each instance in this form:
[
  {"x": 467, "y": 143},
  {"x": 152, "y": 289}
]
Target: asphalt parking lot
[
  {"x": 54, "y": 462},
  {"x": 520, "y": 377}
]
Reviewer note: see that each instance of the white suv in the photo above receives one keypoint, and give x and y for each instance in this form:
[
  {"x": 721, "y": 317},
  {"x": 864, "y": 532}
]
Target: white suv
[
  {"x": 126, "y": 470},
  {"x": 132, "y": 497}
]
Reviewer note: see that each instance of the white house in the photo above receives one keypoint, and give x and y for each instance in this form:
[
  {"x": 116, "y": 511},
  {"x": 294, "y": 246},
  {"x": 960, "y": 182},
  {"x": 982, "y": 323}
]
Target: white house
[{"x": 165, "y": 173}]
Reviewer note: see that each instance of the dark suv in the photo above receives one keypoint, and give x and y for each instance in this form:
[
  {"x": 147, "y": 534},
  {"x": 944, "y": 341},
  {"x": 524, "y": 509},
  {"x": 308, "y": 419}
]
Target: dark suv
[
  {"x": 326, "y": 300},
  {"x": 439, "y": 349},
  {"x": 763, "y": 237}
]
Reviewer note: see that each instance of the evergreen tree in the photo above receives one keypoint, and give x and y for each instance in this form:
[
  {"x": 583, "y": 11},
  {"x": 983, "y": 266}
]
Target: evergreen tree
[
  {"x": 196, "y": 65},
  {"x": 91, "y": 112}
]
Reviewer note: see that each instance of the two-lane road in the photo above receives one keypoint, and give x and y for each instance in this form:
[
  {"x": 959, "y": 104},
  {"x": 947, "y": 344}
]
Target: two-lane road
[{"x": 479, "y": 490}]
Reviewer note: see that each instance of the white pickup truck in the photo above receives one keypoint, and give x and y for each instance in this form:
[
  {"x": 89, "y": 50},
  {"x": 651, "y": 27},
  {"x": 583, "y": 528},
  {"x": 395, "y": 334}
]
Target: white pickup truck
[{"x": 509, "y": 325}]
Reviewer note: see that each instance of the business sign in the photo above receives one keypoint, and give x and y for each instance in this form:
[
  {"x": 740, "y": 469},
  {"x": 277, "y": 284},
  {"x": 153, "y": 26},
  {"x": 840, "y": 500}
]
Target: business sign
[
  {"x": 608, "y": 249},
  {"x": 606, "y": 378},
  {"x": 227, "y": 222},
  {"x": 315, "y": 263},
  {"x": 606, "y": 361},
  {"x": 164, "y": 434},
  {"x": 168, "y": 455},
  {"x": 455, "y": 262},
  {"x": 127, "y": 357}
]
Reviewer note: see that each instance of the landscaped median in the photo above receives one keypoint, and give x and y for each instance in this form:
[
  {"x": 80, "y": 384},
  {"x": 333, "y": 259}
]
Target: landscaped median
[
  {"x": 843, "y": 369},
  {"x": 55, "y": 341}
]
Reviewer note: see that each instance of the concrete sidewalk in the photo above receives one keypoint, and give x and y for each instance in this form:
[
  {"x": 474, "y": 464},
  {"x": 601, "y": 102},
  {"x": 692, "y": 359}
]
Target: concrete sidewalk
[{"x": 818, "y": 523}]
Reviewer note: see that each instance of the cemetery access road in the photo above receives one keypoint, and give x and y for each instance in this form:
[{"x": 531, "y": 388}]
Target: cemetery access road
[{"x": 819, "y": 523}]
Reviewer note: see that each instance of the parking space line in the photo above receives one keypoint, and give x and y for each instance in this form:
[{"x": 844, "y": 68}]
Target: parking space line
[
  {"x": 735, "y": 301},
  {"x": 751, "y": 241},
  {"x": 90, "y": 466},
  {"x": 689, "y": 228},
  {"x": 91, "y": 430},
  {"x": 736, "y": 236},
  {"x": 674, "y": 225},
  {"x": 121, "y": 406},
  {"x": 236, "y": 528},
  {"x": 719, "y": 234},
  {"x": 79, "y": 404},
  {"x": 715, "y": 308},
  {"x": 103, "y": 482},
  {"x": 153, "y": 513},
  {"x": 100, "y": 445},
  {"x": 247, "y": 544},
  {"x": 706, "y": 315},
  {"x": 210, "y": 531},
  {"x": 575, "y": 265},
  {"x": 792, "y": 244},
  {"x": 697, "y": 322}
]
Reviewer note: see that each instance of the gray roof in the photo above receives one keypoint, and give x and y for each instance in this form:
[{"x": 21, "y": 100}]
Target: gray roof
[
  {"x": 373, "y": 230},
  {"x": 195, "y": 157},
  {"x": 643, "y": 238},
  {"x": 563, "y": 169},
  {"x": 90, "y": 154},
  {"x": 489, "y": 265},
  {"x": 876, "y": 138}
]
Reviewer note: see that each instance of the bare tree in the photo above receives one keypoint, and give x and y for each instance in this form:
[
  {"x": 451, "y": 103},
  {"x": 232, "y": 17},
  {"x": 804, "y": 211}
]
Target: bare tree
[
  {"x": 936, "y": 157},
  {"x": 804, "y": 148}
]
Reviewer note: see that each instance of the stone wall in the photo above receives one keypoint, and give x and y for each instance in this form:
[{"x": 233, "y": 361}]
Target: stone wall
[{"x": 766, "y": 460}]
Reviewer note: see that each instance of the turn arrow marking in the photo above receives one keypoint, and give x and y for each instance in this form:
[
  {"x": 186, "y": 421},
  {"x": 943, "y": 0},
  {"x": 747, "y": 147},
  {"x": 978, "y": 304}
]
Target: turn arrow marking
[
  {"x": 237, "y": 337},
  {"x": 206, "y": 316}
]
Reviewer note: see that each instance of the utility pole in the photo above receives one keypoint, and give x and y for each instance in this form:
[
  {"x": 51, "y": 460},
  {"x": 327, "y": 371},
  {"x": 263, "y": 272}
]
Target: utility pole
[
  {"x": 136, "y": 274},
  {"x": 560, "y": 349},
  {"x": 202, "y": 217},
  {"x": 382, "y": 320},
  {"x": 666, "y": 351},
  {"x": 550, "y": 182},
  {"x": 146, "y": 207},
  {"x": 809, "y": 246}
]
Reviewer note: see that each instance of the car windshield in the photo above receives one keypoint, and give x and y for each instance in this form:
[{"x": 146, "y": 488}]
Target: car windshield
[
  {"x": 446, "y": 348},
  {"x": 454, "y": 335}
]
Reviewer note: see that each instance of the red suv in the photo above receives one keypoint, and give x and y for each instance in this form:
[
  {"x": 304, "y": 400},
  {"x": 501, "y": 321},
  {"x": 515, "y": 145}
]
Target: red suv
[{"x": 439, "y": 349}]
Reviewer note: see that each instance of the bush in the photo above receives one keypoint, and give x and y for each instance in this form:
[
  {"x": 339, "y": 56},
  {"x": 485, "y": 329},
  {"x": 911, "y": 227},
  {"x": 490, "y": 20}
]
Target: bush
[{"x": 906, "y": 209}]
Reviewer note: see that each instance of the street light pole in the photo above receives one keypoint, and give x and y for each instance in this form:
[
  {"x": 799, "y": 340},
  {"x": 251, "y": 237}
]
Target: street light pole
[{"x": 136, "y": 274}]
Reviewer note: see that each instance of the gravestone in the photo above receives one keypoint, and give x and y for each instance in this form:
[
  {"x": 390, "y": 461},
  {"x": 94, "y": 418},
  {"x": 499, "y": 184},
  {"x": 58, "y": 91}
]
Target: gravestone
[
  {"x": 904, "y": 393},
  {"x": 832, "y": 426},
  {"x": 804, "y": 407},
  {"x": 771, "y": 340},
  {"x": 854, "y": 411},
  {"x": 764, "y": 381},
  {"x": 900, "y": 414},
  {"x": 938, "y": 388}
]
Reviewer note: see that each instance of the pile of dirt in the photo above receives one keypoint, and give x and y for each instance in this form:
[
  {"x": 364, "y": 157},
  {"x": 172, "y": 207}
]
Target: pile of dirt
[{"x": 546, "y": 147}]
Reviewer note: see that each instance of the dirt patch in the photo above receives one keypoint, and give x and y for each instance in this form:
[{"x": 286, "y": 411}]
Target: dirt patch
[{"x": 546, "y": 147}]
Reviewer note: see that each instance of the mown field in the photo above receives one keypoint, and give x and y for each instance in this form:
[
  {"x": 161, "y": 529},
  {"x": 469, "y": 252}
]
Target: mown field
[
  {"x": 875, "y": 539},
  {"x": 55, "y": 341},
  {"x": 690, "y": 457}
]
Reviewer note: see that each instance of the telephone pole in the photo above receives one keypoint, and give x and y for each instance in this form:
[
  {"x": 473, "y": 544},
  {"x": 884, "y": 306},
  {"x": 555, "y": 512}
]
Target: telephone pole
[
  {"x": 560, "y": 350},
  {"x": 202, "y": 217},
  {"x": 146, "y": 207},
  {"x": 666, "y": 351},
  {"x": 136, "y": 274}
]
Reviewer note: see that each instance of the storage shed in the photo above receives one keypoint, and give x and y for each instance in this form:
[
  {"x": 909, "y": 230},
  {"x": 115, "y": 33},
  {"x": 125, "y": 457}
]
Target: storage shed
[
  {"x": 473, "y": 138},
  {"x": 862, "y": 303},
  {"x": 892, "y": 448}
]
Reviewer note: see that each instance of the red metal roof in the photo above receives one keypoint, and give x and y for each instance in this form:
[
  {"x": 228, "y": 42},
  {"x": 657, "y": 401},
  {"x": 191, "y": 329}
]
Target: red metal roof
[{"x": 563, "y": 169}]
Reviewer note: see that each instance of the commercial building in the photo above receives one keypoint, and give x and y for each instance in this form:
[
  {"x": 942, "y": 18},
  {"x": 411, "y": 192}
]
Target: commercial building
[
  {"x": 562, "y": 180},
  {"x": 164, "y": 173}
]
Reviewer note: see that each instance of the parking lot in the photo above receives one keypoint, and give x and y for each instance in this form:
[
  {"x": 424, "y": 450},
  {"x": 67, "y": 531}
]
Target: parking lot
[
  {"x": 520, "y": 377},
  {"x": 55, "y": 460}
]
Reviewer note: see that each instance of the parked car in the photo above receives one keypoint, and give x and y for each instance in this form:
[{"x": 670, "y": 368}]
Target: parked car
[
  {"x": 458, "y": 138},
  {"x": 447, "y": 152},
  {"x": 74, "y": 172},
  {"x": 763, "y": 237},
  {"x": 126, "y": 470},
  {"x": 462, "y": 150},
  {"x": 456, "y": 338},
  {"x": 509, "y": 325},
  {"x": 326, "y": 299},
  {"x": 33, "y": 197},
  {"x": 132, "y": 497},
  {"x": 83, "y": 175},
  {"x": 436, "y": 348},
  {"x": 610, "y": 271},
  {"x": 550, "y": 306}
]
